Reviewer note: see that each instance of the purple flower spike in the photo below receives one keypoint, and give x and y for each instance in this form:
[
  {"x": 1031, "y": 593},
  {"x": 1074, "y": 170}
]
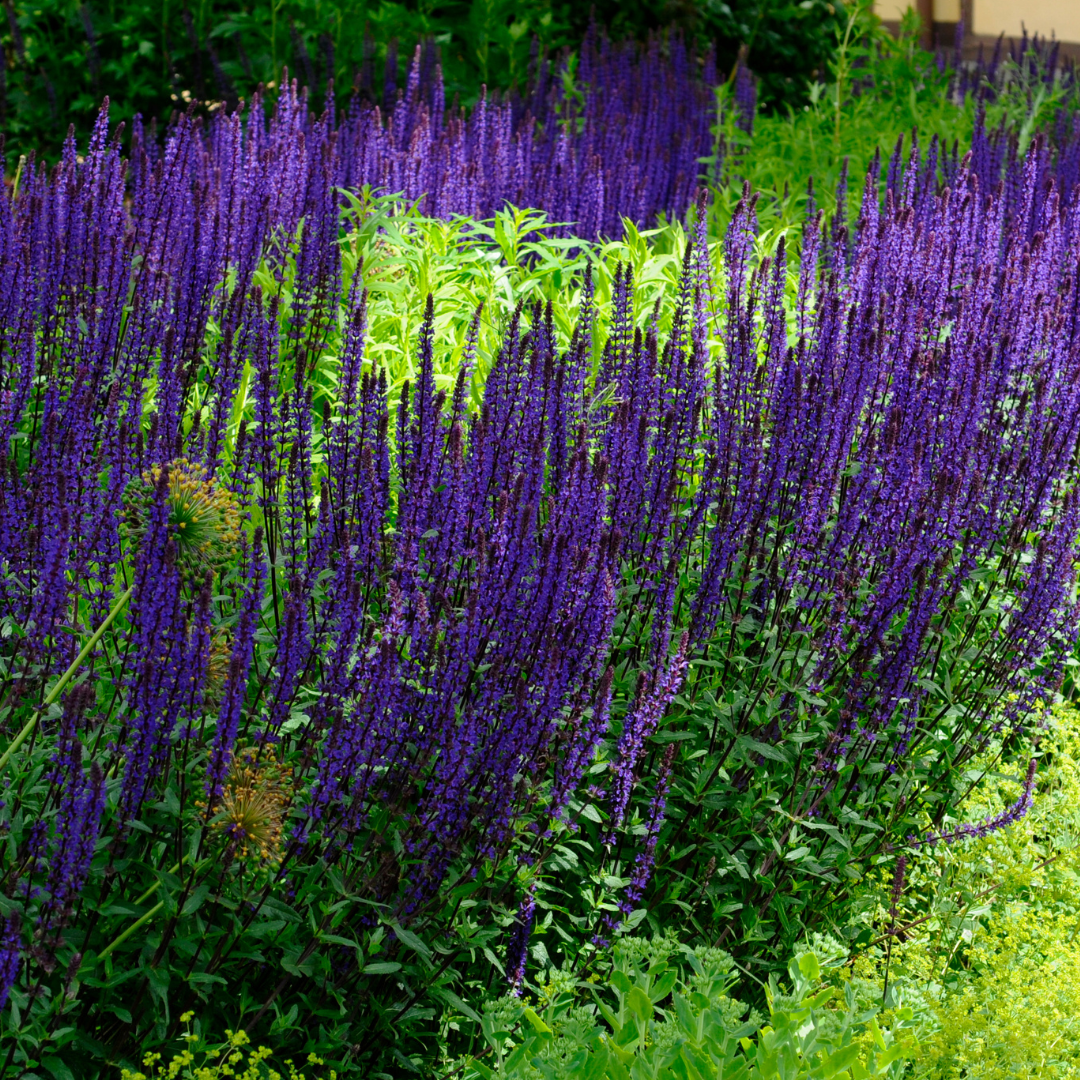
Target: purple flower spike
[
  {"x": 517, "y": 951},
  {"x": 977, "y": 830},
  {"x": 10, "y": 955}
]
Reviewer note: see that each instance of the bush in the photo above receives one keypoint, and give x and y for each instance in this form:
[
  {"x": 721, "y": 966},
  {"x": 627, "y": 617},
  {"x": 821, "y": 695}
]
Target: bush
[
  {"x": 659, "y": 1024},
  {"x": 61, "y": 59},
  {"x": 152, "y": 58},
  {"x": 983, "y": 940},
  {"x": 352, "y": 711}
]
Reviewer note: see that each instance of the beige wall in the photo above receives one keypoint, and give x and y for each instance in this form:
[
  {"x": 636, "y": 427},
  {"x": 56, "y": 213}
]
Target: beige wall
[
  {"x": 944, "y": 10},
  {"x": 890, "y": 9},
  {"x": 993, "y": 17},
  {"x": 1058, "y": 17}
]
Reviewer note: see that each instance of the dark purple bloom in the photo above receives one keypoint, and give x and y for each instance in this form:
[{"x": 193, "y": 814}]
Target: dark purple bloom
[
  {"x": 645, "y": 859},
  {"x": 10, "y": 955},
  {"x": 517, "y": 956},
  {"x": 994, "y": 822},
  {"x": 654, "y": 694}
]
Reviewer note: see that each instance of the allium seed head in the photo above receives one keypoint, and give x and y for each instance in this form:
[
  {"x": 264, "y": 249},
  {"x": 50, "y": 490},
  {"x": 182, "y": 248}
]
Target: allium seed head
[{"x": 204, "y": 519}]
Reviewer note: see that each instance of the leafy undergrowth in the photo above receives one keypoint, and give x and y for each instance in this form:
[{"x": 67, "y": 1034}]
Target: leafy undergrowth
[
  {"x": 509, "y": 261},
  {"x": 973, "y": 972},
  {"x": 984, "y": 940}
]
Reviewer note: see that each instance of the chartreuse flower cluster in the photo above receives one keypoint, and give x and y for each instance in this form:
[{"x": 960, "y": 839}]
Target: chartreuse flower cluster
[
  {"x": 235, "y": 1059},
  {"x": 989, "y": 948}
]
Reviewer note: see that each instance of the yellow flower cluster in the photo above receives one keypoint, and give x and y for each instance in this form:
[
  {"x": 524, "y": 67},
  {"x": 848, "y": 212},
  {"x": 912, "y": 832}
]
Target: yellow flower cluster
[
  {"x": 235, "y": 1059},
  {"x": 1020, "y": 1015}
]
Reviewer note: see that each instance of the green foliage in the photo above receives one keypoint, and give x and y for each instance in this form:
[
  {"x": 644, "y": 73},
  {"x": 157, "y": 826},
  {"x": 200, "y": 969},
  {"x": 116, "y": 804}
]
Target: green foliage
[
  {"x": 498, "y": 264},
  {"x": 983, "y": 943},
  {"x": 787, "y": 43},
  {"x": 877, "y": 90},
  {"x": 647, "y": 1021},
  {"x": 153, "y": 56}
]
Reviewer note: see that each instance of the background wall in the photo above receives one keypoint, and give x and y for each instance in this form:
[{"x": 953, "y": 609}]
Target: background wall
[
  {"x": 985, "y": 20},
  {"x": 1060, "y": 17}
]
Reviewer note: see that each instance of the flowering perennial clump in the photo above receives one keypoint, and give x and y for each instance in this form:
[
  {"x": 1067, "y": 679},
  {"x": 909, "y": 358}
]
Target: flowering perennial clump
[
  {"x": 780, "y": 557},
  {"x": 621, "y": 134}
]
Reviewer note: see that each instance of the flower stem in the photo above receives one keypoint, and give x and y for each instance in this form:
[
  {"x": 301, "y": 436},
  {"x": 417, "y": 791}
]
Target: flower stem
[
  {"x": 54, "y": 693},
  {"x": 118, "y": 941},
  {"x": 145, "y": 917}
]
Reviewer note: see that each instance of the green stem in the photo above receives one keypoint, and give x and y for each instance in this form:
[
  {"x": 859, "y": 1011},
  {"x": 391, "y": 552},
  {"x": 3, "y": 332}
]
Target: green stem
[
  {"x": 117, "y": 942},
  {"x": 18, "y": 176},
  {"x": 87, "y": 649}
]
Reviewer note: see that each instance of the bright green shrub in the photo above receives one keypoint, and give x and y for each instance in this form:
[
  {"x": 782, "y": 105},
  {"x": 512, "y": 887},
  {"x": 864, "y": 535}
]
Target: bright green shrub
[
  {"x": 649, "y": 1023},
  {"x": 878, "y": 89},
  {"x": 501, "y": 262},
  {"x": 991, "y": 952},
  {"x": 1010, "y": 1006},
  {"x": 1019, "y": 1014}
]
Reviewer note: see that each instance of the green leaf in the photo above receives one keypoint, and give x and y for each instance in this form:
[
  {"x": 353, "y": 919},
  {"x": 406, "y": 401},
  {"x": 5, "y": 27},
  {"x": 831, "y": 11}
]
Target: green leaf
[
  {"x": 664, "y": 985},
  {"x": 896, "y": 1052},
  {"x": 55, "y": 1067},
  {"x": 809, "y": 966},
  {"x": 536, "y": 1023},
  {"x": 337, "y": 939},
  {"x": 195, "y": 900},
  {"x": 637, "y": 1001},
  {"x": 773, "y": 753},
  {"x": 818, "y": 1000},
  {"x": 453, "y": 1000},
  {"x": 840, "y": 1061},
  {"x": 410, "y": 940},
  {"x": 201, "y": 978},
  {"x": 158, "y": 980}
]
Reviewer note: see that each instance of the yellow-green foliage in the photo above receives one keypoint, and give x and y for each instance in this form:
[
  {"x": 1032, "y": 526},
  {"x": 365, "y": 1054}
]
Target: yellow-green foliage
[
  {"x": 996, "y": 967},
  {"x": 513, "y": 258},
  {"x": 1019, "y": 1016},
  {"x": 234, "y": 1059}
]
